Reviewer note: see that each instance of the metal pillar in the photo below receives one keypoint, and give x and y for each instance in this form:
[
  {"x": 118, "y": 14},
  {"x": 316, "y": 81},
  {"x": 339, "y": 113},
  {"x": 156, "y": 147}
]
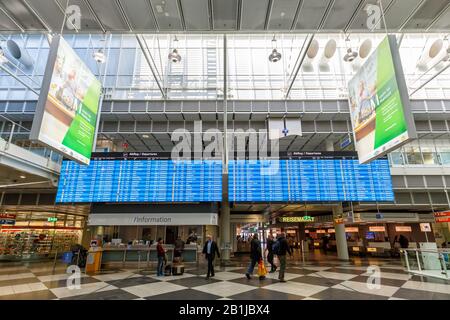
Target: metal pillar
[{"x": 225, "y": 243}]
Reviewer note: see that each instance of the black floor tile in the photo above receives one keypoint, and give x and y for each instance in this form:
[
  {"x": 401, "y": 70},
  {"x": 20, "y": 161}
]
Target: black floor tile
[
  {"x": 298, "y": 271},
  {"x": 265, "y": 294},
  {"x": 318, "y": 281},
  {"x": 193, "y": 281},
  {"x": 49, "y": 273},
  {"x": 254, "y": 281},
  {"x": 383, "y": 281},
  {"x": 63, "y": 283},
  {"x": 187, "y": 294},
  {"x": 116, "y": 294},
  {"x": 15, "y": 271},
  {"x": 429, "y": 279},
  {"x": 339, "y": 294},
  {"x": 390, "y": 270},
  {"x": 346, "y": 271},
  {"x": 35, "y": 295},
  {"x": 420, "y": 295},
  {"x": 130, "y": 282}
]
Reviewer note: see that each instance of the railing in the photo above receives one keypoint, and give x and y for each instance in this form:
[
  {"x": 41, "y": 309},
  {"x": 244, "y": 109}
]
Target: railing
[
  {"x": 14, "y": 133},
  {"x": 427, "y": 262}
]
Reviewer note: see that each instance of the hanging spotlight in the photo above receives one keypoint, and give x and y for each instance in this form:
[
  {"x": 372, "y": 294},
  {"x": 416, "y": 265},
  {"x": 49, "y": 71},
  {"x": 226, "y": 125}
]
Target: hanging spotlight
[
  {"x": 99, "y": 56},
  {"x": 174, "y": 56},
  {"x": 350, "y": 55},
  {"x": 275, "y": 56},
  {"x": 3, "y": 59}
]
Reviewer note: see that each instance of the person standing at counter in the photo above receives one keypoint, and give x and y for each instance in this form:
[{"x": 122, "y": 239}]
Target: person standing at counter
[
  {"x": 404, "y": 242},
  {"x": 209, "y": 250},
  {"x": 161, "y": 252}
]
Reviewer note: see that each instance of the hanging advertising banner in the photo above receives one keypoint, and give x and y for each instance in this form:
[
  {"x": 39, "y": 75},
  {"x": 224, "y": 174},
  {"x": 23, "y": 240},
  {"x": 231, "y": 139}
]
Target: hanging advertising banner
[
  {"x": 443, "y": 216},
  {"x": 379, "y": 104},
  {"x": 68, "y": 106}
]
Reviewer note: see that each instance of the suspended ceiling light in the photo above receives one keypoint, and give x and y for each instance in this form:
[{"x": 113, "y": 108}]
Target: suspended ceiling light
[
  {"x": 350, "y": 55},
  {"x": 3, "y": 59},
  {"x": 275, "y": 56},
  {"x": 174, "y": 56},
  {"x": 99, "y": 56}
]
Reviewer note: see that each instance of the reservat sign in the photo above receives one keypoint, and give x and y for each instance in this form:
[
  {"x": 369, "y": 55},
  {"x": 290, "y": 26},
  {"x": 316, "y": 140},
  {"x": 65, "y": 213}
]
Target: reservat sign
[
  {"x": 441, "y": 217},
  {"x": 296, "y": 219}
]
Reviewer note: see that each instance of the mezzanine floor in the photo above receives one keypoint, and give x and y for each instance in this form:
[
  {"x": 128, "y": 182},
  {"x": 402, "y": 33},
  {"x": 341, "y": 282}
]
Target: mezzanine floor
[{"x": 315, "y": 277}]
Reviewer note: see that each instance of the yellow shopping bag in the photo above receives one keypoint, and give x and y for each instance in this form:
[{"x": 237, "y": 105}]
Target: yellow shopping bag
[{"x": 262, "y": 271}]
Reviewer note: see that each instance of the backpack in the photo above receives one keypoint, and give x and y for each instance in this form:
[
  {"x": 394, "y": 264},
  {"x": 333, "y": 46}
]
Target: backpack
[{"x": 276, "y": 247}]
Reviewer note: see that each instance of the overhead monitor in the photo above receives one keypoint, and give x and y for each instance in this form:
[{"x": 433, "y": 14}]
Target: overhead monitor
[
  {"x": 68, "y": 106},
  {"x": 379, "y": 104}
]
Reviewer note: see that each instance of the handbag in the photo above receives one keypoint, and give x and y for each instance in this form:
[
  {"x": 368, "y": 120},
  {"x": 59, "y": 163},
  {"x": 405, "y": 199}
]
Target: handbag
[{"x": 262, "y": 271}]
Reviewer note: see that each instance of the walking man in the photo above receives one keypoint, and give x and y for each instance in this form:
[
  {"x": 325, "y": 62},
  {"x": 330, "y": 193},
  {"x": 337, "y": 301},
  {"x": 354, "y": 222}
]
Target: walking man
[
  {"x": 209, "y": 250},
  {"x": 269, "y": 250},
  {"x": 255, "y": 255},
  {"x": 281, "y": 253}
]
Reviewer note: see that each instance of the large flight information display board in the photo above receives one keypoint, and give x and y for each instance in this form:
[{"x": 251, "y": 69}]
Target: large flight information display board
[
  {"x": 140, "y": 177},
  {"x": 310, "y": 176}
]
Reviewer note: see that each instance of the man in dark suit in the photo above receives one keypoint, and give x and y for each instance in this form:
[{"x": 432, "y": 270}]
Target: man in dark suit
[{"x": 209, "y": 250}]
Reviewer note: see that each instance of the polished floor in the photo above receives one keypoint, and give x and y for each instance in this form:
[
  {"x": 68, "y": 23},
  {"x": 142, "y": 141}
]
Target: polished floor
[{"x": 314, "y": 277}]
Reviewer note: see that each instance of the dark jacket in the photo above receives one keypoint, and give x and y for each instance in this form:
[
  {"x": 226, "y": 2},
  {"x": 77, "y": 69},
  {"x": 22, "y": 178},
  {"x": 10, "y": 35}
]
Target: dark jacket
[
  {"x": 214, "y": 249},
  {"x": 255, "y": 250},
  {"x": 179, "y": 245},
  {"x": 284, "y": 247},
  {"x": 270, "y": 243}
]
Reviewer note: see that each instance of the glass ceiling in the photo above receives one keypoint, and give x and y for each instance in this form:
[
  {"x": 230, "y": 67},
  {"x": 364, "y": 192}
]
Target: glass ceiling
[{"x": 146, "y": 73}]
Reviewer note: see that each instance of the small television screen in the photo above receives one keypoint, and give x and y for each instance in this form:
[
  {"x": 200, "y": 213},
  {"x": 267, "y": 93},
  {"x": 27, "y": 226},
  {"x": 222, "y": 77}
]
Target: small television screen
[{"x": 370, "y": 235}]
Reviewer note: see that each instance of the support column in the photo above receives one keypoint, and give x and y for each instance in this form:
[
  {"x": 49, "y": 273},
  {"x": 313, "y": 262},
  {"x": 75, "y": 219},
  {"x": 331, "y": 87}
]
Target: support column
[
  {"x": 225, "y": 243},
  {"x": 341, "y": 240},
  {"x": 339, "y": 228}
]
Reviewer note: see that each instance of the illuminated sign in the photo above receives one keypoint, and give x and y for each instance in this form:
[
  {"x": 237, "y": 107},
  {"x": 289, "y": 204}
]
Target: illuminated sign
[
  {"x": 320, "y": 231},
  {"x": 425, "y": 227},
  {"x": 377, "y": 229},
  {"x": 403, "y": 229},
  {"x": 355, "y": 249},
  {"x": 331, "y": 231},
  {"x": 352, "y": 229},
  {"x": 296, "y": 219},
  {"x": 371, "y": 249},
  {"x": 443, "y": 216},
  {"x": 306, "y": 231},
  {"x": 52, "y": 219}
]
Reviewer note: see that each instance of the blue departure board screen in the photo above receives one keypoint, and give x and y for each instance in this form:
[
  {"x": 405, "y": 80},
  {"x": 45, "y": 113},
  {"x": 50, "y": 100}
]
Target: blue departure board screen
[
  {"x": 310, "y": 177},
  {"x": 140, "y": 179}
]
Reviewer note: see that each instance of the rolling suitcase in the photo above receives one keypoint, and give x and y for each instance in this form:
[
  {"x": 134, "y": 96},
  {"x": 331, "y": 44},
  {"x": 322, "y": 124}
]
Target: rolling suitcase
[
  {"x": 178, "y": 269},
  {"x": 168, "y": 270}
]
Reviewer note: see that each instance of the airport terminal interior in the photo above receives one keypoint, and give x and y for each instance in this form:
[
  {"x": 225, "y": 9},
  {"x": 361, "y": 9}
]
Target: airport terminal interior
[{"x": 128, "y": 127}]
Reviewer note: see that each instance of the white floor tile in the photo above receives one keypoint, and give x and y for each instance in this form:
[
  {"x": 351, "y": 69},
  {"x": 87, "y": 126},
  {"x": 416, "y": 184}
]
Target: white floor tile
[
  {"x": 296, "y": 288},
  {"x": 226, "y": 275},
  {"x": 316, "y": 268},
  {"x": 170, "y": 278},
  {"x": 7, "y": 290},
  {"x": 116, "y": 276},
  {"x": 427, "y": 286},
  {"x": 384, "y": 290},
  {"x": 57, "y": 277},
  {"x": 153, "y": 289},
  {"x": 287, "y": 276},
  {"x": 224, "y": 289},
  {"x": 84, "y": 289},
  {"x": 388, "y": 275},
  {"x": 15, "y": 276}
]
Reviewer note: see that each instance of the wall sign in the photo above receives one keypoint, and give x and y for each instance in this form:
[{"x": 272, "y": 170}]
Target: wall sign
[
  {"x": 126, "y": 219},
  {"x": 425, "y": 227},
  {"x": 443, "y": 216},
  {"x": 377, "y": 229},
  {"x": 352, "y": 229},
  {"x": 296, "y": 219},
  {"x": 403, "y": 229},
  {"x": 7, "y": 218}
]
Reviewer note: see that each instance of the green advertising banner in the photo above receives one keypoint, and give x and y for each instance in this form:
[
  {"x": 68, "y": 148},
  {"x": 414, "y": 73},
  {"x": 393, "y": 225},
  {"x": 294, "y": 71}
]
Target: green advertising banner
[
  {"x": 68, "y": 107},
  {"x": 379, "y": 106}
]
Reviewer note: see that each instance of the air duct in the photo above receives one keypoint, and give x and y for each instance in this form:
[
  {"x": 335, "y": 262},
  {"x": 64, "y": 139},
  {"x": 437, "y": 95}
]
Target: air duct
[
  {"x": 19, "y": 53},
  {"x": 328, "y": 53},
  {"x": 311, "y": 53},
  {"x": 431, "y": 52}
]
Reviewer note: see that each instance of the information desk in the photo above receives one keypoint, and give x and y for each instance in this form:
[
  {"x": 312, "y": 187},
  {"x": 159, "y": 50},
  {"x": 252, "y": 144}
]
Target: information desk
[
  {"x": 144, "y": 254},
  {"x": 356, "y": 247},
  {"x": 379, "y": 248}
]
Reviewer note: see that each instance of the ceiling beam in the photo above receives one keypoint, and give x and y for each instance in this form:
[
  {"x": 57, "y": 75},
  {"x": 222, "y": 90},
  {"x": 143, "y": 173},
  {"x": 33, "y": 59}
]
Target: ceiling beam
[
  {"x": 180, "y": 11},
  {"x": 124, "y": 15},
  {"x": 63, "y": 12},
  {"x": 239, "y": 15},
  {"x": 11, "y": 17},
  {"x": 96, "y": 18},
  {"x": 153, "y": 15},
  {"x": 148, "y": 58},
  {"x": 297, "y": 14},
  {"x": 354, "y": 15},
  {"x": 37, "y": 15},
  {"x": 211, "y": 18},
  {"x": 268, "y": 14},
  {"x": 438, "y": 16},
  {"x": 411, "y": 15}
]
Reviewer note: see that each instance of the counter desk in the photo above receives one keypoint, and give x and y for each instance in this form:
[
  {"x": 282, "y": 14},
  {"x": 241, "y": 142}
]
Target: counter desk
[{"x": 144, "y": 254}]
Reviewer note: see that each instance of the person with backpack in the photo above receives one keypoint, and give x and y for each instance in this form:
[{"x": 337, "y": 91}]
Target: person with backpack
[
  {"x": 269, "y": 249},
  {"x": 255, "y": 255},
  {"x": 280, "y": 248}
]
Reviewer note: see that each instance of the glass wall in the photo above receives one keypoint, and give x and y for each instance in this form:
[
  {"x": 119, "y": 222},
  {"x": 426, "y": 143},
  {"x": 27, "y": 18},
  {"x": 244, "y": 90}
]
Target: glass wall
[{"x": 422, "y": 152}]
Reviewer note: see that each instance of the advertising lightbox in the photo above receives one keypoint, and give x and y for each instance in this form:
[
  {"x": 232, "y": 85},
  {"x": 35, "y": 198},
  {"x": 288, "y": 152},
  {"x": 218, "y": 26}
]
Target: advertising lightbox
[
  {"x": 379, "y": 104},
  {"x": 68, "y": 106}
]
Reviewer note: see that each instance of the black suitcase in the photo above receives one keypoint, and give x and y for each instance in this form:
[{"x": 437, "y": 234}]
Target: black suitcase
[
  {"x": 178, "y": 269},
  {"x": 168, "y": 270}
]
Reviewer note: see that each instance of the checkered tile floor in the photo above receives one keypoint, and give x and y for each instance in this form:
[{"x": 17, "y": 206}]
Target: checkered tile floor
[{"x": 323, "y": 278}]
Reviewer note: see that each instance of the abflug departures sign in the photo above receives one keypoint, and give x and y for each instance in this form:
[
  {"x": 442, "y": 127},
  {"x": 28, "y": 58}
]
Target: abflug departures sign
[
  {"x": 379, "y": 103},
  {"x": 67, "y": 110}
]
